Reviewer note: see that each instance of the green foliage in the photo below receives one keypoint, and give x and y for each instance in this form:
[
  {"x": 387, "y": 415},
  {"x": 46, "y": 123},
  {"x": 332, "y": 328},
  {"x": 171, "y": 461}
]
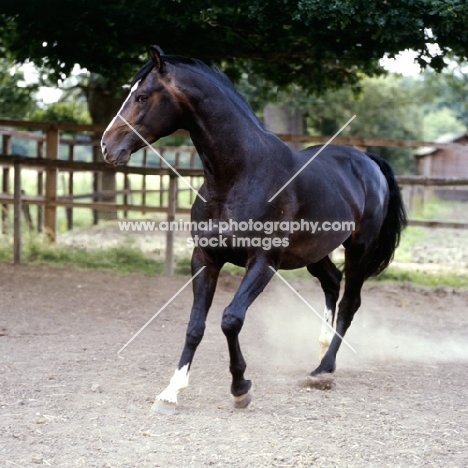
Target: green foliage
[
  {"x": 440, "y": 122},
  {"x": 313, "y": 43},
  {"x": 447, "y": 89},
  {"x": 71, "y": 112},
  {"x": 15, "y": 96}
]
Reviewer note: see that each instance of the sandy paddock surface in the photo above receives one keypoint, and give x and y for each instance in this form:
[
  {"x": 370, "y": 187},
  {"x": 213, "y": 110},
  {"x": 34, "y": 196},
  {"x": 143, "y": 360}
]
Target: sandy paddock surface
[{"x": 67, "y": 399}]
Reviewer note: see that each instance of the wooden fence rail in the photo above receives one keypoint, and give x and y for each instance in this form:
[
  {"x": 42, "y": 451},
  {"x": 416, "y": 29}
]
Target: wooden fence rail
[
  {"x": 47, "y": 199},
  {"x": 51, "y": 201},
  {"x": 352, "y": 141},
  {"x": 46, "y": 161},
  {"x": 424, "y": 181}
]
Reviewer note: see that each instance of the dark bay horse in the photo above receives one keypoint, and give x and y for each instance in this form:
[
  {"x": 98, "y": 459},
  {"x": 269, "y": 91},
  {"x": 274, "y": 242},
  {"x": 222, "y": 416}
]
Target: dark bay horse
[{"x": 245, "y": 167}]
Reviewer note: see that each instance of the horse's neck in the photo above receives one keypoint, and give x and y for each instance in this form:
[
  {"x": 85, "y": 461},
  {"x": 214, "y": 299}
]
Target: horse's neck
[{"x": 229, "y": 138}]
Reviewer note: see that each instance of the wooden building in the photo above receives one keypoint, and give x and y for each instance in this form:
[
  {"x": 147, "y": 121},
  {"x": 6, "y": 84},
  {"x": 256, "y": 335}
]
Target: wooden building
[{"x": 449, "y": 162}]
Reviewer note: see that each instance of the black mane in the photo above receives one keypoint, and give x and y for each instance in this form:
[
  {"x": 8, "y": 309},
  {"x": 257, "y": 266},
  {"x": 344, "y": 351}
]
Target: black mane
[
  {"x": 147, "y": 67},
  {"x": 180, "y": 60},
  {"x": 196, "y": 64}
]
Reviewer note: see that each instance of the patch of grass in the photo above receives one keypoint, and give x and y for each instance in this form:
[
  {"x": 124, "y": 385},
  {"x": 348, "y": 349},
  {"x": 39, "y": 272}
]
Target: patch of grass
[
  {"x": 128, "y": 258},
  {"x": 433, "y": 279},
  {"x": 6, "y": 251},
  {"x": 411, "y": 236},
  {"x": 393, "y": 273},
  {"x": 396, "y": 274},
  {"x": 183, "y": 267},
  {"x": 121, "y": 259},
  {"x": 444, "y": 210},
  {"x": 436, "y": 208}
]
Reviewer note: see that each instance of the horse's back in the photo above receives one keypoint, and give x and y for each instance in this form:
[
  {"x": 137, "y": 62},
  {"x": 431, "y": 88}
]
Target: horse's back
[
  {"x": 337, "y": 157},
  {"x": 339, "y": 167}
]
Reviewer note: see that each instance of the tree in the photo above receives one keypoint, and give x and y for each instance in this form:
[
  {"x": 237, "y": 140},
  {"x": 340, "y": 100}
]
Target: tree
[
  {"x": 449, "y": 88},
  {"x": 440, "y": 122},
  {"x": 15, "y": 96},
  {"x": 312, "y": 43},
  {"x": 62, "y": 111}
]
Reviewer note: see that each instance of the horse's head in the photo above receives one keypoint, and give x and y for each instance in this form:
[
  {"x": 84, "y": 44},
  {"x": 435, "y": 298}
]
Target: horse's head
[{"x": 150, "y": 112}]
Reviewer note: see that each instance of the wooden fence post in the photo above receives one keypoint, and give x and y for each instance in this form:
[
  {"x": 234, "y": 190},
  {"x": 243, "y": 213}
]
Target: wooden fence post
[
  {"x": 40, "y": 186},
  {"x": 6, "y": 150},
  {"x": 192, "y": 166},
  {"x": 69, "y": 211},
  {"x": 17, "y": 214},
  {"x": 97, "y": 186},
  {"x": 50, "y": 212},
  {"x": 171, "y": 214},
  {"x": 143, "y": 181},
  {"x": 125, "y": 194}
]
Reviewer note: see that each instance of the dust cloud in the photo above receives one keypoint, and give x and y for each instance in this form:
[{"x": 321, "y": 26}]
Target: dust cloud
[{"x": 380, "y": 332}]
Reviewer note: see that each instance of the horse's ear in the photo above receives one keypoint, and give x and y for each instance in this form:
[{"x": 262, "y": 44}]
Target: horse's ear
[{"x": 156, "y": 57}]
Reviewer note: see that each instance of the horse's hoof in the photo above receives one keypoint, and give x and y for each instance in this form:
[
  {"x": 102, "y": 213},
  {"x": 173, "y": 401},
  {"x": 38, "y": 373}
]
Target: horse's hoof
[
  {"x": 320, "y": 381},
  {"x": 163, "y": 407},
  {"x": 241, "y": 402}
]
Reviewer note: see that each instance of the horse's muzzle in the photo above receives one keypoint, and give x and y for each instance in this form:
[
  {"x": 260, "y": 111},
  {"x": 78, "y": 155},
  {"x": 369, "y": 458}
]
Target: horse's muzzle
[
  {"x": 121, "y": 156},
  {"x": 104, "y": 152}
]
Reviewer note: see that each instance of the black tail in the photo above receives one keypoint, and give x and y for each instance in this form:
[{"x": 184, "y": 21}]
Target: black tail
[{"x": 378, "y": 257}]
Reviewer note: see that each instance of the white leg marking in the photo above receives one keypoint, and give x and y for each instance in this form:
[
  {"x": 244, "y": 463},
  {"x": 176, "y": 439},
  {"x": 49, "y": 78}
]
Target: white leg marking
[
  {"x": 179, "y": 381},
  {"x": 326, "y": 333}
]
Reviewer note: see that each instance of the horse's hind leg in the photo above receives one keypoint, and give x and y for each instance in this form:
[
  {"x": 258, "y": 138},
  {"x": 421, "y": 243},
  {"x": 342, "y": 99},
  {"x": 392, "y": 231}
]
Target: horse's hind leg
[
  {"x": 330, "y": 277},
  {"x": 204, "y": 286},
  {"x": 349, "y": 304}
]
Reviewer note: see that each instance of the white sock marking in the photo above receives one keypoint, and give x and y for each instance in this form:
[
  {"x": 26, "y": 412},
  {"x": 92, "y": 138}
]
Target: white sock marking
[
  {"x": 326, "y": 333},
  {"x": 179, "y": 381}
]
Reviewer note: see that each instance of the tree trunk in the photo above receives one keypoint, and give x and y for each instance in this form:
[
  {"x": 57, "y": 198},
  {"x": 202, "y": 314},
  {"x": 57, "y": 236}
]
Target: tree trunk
[
  {"x": 103, "y": 104},
  {"x": 280, "y": 118}
]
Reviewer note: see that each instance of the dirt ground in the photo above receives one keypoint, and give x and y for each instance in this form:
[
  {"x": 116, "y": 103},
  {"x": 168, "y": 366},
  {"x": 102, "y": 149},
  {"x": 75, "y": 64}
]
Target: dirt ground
[{"x": 67, "y": 399}]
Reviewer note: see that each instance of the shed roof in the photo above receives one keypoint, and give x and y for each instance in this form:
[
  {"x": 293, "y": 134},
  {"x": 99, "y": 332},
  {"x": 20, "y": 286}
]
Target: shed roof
[{"x": 445, "y": 138}]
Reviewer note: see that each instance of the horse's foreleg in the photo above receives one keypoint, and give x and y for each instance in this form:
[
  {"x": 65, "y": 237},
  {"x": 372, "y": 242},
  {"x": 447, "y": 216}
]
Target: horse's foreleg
[
  {"x": 256, "y": 278},
  {"x": 204, "y": 286}
]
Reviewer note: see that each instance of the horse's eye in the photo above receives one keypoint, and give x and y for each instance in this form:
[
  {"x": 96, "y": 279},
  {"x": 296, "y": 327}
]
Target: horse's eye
[{"x": 142, "y": 98}]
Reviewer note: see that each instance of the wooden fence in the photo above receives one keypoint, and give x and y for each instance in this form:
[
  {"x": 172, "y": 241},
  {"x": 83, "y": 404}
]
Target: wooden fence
[{"x": 47, "y": 164}]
